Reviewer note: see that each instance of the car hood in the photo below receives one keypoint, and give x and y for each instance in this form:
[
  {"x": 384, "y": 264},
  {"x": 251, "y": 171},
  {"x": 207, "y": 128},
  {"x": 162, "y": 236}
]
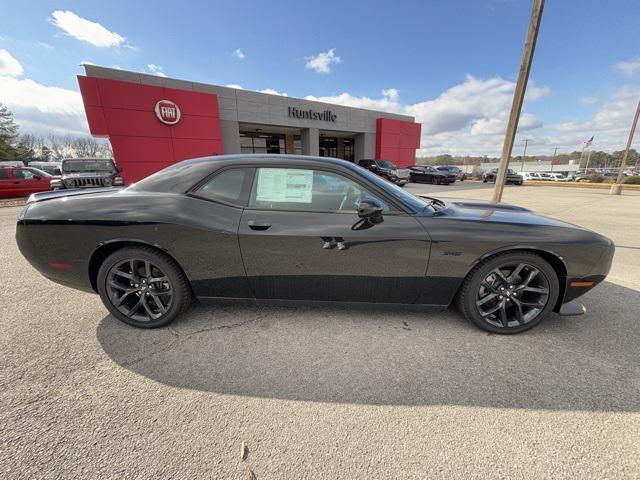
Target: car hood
[
  {"x": 481, "y": 211},
  {"x": 87, "y": 174}
]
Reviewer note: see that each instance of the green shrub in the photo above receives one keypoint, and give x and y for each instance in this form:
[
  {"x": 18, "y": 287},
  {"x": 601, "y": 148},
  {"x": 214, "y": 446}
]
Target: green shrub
[
  {"x": 609, "y": 180},
  {"x": 632, "y": 180}
]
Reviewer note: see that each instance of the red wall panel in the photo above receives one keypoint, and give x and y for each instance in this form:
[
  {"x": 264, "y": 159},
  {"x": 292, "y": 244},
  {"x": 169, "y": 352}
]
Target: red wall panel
[
  {"x": 397, "y": 140},
  {"x": 142, "y": 144}
]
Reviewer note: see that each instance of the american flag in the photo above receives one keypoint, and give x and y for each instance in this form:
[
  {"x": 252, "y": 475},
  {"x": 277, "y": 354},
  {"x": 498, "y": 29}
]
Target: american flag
[{"x": 589, "y": 142}]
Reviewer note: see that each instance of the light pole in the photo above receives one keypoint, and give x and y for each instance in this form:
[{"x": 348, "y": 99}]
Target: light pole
[
  {"x": 518, "y": 97},
  {"x": 524, "y": 155},
  {"x": 616, "y": 188},
  {"x": 555, "y": 152}
]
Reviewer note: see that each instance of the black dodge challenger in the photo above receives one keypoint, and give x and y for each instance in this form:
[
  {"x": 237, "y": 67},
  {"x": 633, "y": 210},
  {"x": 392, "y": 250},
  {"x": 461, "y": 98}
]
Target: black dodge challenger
[{"x": 271, "y": 227}]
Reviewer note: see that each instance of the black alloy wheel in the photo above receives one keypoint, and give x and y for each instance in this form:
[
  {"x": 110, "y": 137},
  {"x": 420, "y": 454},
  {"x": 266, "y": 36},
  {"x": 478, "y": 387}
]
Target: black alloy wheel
[
  {"x": 509, "y": 293},
  {"x": 139, "y": 289},
  {"x": 143, "y": 287}
]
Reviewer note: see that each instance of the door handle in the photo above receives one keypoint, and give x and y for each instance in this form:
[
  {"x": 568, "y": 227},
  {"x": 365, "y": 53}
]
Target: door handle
[{"x": 253, "y": 225}]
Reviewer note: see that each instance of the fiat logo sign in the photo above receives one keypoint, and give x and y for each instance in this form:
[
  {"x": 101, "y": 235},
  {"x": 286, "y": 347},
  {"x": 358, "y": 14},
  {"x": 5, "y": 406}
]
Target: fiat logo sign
[{"x": 167, "y": 112}]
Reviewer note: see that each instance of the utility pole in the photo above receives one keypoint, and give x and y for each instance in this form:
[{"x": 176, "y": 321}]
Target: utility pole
[
  {"x": 555, "y": 152},
  {"x": 518, "y": 97},
  {"x": 616, "y": 188},
  {"x": 524, "y": 155}
]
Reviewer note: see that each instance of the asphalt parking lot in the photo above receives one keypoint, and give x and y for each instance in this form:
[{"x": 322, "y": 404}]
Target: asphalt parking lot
[{"x": 325, "y": 392}]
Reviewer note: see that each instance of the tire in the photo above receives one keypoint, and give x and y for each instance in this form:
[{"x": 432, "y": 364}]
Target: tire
[
  {"x": 484, "y": 179},
  {"x": 435, "y": 180},
  {"x": 470, "y": 292},
  {"x": 176, "y": 299}
]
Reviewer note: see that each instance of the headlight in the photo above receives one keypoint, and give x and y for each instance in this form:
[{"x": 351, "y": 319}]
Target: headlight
[
  {"x": 68, "y": 182},
  {"x": 393, "y": 172},
  {"x": 118, "y": 181}
]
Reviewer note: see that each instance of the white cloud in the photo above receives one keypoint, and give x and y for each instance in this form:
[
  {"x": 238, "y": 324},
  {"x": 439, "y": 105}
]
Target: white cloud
[
  {"x": 45, "y": 45},
  {"x": 156, "y": 70},
  {"x": 321, "y": 63},
  {"x": 628, "y": 67},
  {"x": 42, "y": 109},
  {"x": 239, "y": 54},
  {"x": 9, "y": 65},
  {"x": 470, "y": 117},
  {"x": 609, "y": 125},
  {"x": 270, "y": 91},
  {"x": 85, "y": 30},
  {"x": 589, "y": 100}
]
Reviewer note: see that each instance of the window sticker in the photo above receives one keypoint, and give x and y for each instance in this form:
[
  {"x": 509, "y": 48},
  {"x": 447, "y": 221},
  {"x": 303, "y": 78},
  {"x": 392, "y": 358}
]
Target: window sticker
[{"x": 291, "y": 185}]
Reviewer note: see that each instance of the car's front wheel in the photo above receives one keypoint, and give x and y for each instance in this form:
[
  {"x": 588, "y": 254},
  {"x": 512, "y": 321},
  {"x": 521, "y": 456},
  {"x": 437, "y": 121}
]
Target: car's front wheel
[
  {"x": 435, "y": 180},
  {"x": 143, "y": 287},
  {"x": 509, "y": 293}
]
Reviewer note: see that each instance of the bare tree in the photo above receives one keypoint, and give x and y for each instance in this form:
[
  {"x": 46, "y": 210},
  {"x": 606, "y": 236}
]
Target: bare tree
[{"x": 66, "y": 146}]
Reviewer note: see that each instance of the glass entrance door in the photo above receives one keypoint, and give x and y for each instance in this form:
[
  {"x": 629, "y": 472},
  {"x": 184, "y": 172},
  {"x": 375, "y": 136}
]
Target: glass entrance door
[{"x": 328, "y": 147}]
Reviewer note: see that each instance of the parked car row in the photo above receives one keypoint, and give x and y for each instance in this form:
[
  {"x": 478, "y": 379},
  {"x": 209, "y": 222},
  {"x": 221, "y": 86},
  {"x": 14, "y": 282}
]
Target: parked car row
[
  {"x": 19, "y": 181},
  {"x": 436, "y": 175}
]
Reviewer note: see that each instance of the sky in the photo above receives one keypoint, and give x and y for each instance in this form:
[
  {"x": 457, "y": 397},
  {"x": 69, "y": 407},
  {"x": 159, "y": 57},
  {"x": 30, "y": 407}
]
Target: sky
[{"x": 450, "y": 64}]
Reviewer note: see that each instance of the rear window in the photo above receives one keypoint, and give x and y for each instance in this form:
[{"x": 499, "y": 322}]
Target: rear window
[{"x": 226, "y": 186}]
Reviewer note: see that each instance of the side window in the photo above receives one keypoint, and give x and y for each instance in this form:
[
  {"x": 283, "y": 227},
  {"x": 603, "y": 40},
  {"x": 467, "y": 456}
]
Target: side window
[
  {"x": 227, "y": 186},
  {"x": 4, "y": 174},
  {"x": 19, "y": 174},
  {"x": 307, "y": 190}
]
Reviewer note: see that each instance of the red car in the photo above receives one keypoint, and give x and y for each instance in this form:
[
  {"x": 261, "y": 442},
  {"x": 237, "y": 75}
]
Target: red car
[{"x": 23, "y": 181}]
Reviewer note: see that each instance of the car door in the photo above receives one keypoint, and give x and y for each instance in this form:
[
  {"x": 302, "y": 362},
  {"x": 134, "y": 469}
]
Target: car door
[
  {"x": 297, "y": 220},
  {"x": 21, "y": 181},
  {"x": 415, "y": 173},
  {"x": 34, "y": 181},
  {"x": 6, "y": 183}
]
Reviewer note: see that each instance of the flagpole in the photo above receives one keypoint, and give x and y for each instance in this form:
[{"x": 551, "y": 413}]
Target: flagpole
[{"x": 588, "y": 158}]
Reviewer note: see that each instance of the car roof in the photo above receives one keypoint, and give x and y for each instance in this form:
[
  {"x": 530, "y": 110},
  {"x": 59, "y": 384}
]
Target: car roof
[{"x": 181, "y": 176}]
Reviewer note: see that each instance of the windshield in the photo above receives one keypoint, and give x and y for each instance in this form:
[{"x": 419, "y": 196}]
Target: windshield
[
  {"x": 417, "y": 204},
  {"x": 37, "y": 171},
  {"x": 385, "y": 164},
  {"x": 76, "y": 166}
]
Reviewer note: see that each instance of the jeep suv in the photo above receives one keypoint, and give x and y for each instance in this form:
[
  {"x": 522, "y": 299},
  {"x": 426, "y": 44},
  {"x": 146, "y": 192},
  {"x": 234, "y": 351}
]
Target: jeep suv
[
  {"x": 88, "y": 173},
  {"x": 386, "y": 169}
]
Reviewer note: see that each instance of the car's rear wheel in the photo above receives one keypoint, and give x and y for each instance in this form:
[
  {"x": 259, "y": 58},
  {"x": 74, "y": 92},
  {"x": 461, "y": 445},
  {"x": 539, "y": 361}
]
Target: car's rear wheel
[
  {"x": 435, "y": 180},
  {"x": 509, "y": 293},
  {"x": 143, "y": 287}
]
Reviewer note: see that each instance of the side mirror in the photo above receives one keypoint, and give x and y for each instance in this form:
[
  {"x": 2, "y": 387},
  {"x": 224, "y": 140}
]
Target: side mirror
[
  {"x": 118, "y": 168},
  {"x": 370, "y": 210},
  {"x": 37, "y": 177}
]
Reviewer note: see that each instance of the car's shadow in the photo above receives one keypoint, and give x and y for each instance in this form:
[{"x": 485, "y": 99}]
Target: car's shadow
[{"x": 385, "y": 356}]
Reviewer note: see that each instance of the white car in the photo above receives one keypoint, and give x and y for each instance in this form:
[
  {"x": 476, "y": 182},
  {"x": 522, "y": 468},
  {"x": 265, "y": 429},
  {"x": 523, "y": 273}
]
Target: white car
[
  {"x": 555, "y": 177},
  {"x": 530, "y": 176}
]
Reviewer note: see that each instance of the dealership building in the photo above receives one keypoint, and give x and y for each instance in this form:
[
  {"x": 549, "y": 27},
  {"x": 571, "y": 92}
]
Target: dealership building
[{"x": 153, "y": 122}]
